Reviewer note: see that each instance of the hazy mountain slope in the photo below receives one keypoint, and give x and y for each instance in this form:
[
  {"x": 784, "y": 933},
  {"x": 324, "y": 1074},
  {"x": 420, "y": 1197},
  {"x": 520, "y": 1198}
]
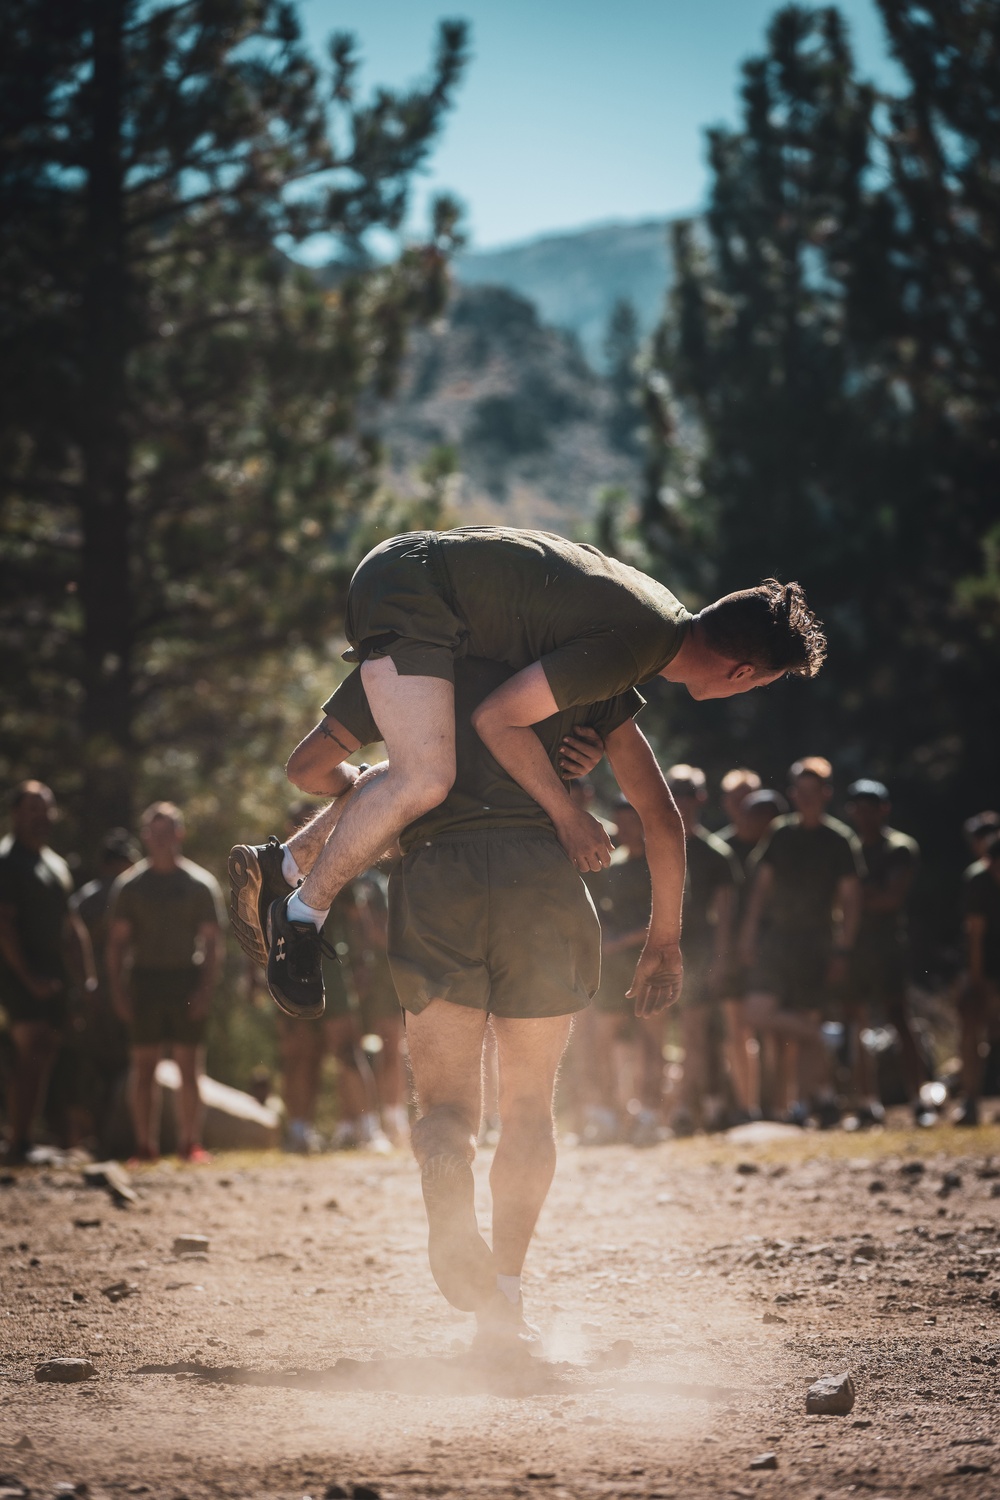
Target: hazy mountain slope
[
  {"x": 574, "y": 279},
  {"x": 526, "y": 414}
]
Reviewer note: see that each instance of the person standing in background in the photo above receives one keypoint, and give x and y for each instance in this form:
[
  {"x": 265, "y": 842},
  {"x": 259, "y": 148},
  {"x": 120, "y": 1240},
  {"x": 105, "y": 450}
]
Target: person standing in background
[
  {"x": 165, "y": 921},
  {"x": 979, "y": 1002},
  {"x": 710, "y": 891},
  {"x": 880, "y": 963},
  {"x": 44, "y": 949},
  {"x": 103, "y": 1050}
]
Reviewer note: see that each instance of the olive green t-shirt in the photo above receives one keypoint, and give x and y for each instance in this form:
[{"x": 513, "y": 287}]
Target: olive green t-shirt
[
  {"x": 597, "y": 626},
  {"x": 483, "y": 796},
  {"x": 711, "y": 865},
  {"x": 808, "y": 865},
  {"x": 165, "y": 909}
]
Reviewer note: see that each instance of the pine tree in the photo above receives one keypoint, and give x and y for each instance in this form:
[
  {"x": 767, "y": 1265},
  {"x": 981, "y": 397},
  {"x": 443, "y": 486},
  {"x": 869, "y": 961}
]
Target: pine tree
[
  {"x": 832, "y": 334},
  {"x": 182, "y": 443}
]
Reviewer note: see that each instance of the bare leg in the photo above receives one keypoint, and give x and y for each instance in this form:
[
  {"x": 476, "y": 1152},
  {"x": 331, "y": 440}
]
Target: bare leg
[
  {"x": 694, "y": 1039},
  {"x": 189, "y": 1061},
  {"x": 972, "y": 1015},
  {"x": 529, "y": 1052},
  {"x": 36, "y": 1044},
  {"x": 355, "y": 1084},
  {"x": 416, "y": 717},
  {"x": 446, "y": 1055},
  {"x": 737, "y": 1053},
  {"x": 141, "y": 1087},
  {"x": 759, "y": 1011}
]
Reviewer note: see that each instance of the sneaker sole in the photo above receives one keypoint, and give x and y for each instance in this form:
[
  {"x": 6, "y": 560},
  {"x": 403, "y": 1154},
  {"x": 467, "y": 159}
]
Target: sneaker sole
[
  {"x": 461, "y": 1261},
  {"x": 245, "y": 882}
]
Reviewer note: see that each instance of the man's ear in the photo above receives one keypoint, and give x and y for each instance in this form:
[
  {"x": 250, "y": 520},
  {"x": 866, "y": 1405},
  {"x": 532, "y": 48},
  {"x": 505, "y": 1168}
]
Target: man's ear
[{"x": 741, "y": 672}]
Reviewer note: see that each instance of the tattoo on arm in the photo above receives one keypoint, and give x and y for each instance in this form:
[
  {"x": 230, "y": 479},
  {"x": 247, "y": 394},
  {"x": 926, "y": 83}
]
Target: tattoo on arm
[{"x": 328, "y": 734}]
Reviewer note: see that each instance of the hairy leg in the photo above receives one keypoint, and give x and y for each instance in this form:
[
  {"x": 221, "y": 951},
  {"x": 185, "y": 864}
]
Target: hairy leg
[
  {"x": 142, "y": 1087},
  {"x": 529, "y": 1053},
  {"x": 416, "y": 717}
]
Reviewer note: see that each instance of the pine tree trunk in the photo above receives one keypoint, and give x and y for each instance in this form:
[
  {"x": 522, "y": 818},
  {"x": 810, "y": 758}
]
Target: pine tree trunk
[{"x": 105, "y": 582}]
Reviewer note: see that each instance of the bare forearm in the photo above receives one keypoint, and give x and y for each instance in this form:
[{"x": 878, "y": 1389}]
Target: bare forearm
[
  {"x": 520, "y": 752},
  {"x": 666, "y": 855}
]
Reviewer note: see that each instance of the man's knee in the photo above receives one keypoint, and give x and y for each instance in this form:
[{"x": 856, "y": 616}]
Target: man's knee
[
  {"x": 424, "y": 787},
  {"x": 443, "y": 1131}
]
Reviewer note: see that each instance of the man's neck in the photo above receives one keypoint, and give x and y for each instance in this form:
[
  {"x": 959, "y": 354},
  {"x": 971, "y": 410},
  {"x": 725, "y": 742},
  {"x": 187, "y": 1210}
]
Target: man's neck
[
  {"x": 810, "y": 820},
  {"x": 33, "y": 845},
  {"x": 164, "y": 864}
]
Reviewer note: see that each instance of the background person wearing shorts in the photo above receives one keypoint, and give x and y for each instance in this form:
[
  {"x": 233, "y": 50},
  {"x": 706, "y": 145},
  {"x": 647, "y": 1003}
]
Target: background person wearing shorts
[
  {"x": 164, "y": 945},
  {"x": 710, "y": 891},
  {"x": 622, "y": 894},
  {"x": 574, "y": 627},
  {"x": 44, "y": 949},
  {"x": 806, "y": 878}
]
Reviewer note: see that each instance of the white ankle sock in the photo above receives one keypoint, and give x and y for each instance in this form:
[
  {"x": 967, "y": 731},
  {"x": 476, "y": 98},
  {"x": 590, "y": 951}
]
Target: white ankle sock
[
  {"x": 298, "y": 911},
  {"x": 289, "y": 868},
  {"x": 511, "y": 1288}
]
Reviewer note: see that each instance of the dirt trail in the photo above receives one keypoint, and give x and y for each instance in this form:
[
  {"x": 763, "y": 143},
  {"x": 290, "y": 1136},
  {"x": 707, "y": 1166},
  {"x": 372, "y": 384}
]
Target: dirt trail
[{"x": 310, "y": 1347}]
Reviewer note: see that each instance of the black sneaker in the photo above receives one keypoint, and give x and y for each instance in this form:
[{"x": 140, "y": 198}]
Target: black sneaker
[
  {"x": 255, "y": 882},
  {"x": 968, "y": 1114},
  {"x": 295, "y": 963}
]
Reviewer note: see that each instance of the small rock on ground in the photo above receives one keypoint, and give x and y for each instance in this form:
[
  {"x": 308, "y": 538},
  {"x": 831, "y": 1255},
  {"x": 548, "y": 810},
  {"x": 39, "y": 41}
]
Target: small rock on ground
[
  {"x": 191, "y": 1244},
  {"x": 764, "y": 1461},
  {"x": 65, "y": 1371},
  {"x": 831, "y": 1396}
]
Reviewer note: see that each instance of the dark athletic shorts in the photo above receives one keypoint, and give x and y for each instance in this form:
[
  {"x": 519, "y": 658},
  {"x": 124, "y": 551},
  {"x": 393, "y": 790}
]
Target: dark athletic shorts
[
  {"x": 497, "y": 920},
  {"x": 22, "y": 1007},
  {"x": 794, "y": 971},
  {"x": 161, "y": 1007},
  {"x": 399, "y": 605}
]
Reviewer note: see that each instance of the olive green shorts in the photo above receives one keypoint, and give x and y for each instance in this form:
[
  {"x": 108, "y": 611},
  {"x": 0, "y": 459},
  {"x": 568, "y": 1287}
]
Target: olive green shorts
[
  {"x": 399, "y": 605},
  {"x": 161, "y": 1010},
  {"x": 496, "y": 920}
]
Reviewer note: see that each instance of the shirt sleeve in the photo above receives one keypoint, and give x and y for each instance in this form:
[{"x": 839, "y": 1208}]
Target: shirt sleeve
[
  {"x": 349, "y": 706},
  {"x": 612, "y": 713},
  {"x": 590, "y": 669},
  {"x": 118, "y": 902},
  {"x": 852, "y": 859}
]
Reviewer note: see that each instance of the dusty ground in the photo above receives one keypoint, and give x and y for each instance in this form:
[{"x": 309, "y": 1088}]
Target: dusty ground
[{"x": 310, "y": 1349}]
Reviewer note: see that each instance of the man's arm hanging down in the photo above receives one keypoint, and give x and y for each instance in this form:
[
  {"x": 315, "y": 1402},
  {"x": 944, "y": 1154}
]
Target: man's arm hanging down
[{"x": 660, "y": 970}]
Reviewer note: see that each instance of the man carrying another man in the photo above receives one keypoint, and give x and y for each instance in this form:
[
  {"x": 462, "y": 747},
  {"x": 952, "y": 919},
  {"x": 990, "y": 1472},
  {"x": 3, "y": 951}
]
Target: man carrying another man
[{"x": 573, "y": 627}]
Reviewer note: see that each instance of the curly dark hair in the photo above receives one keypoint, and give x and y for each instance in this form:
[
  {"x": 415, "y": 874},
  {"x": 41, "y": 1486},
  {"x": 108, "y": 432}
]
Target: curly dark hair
[{"x": 770, "y": 626}]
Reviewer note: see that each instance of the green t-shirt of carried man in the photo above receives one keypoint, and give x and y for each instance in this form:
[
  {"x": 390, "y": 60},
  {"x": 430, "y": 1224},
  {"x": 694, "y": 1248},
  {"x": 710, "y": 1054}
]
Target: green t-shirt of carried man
[{"x": 597, "y": 626}]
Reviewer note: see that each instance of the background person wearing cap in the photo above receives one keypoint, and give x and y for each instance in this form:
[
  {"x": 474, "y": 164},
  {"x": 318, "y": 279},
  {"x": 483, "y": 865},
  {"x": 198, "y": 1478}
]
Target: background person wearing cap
[{"x": 880, "y": 963}]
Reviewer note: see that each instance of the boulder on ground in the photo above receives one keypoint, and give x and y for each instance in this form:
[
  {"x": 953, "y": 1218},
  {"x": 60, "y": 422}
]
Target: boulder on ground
[
  {"x": 831, "y": 1396},
  {"x": 65, "y": 1371}
]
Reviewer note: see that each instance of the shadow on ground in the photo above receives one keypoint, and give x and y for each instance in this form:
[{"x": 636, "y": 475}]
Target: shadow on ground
[{"x": 459, "y": 1375}]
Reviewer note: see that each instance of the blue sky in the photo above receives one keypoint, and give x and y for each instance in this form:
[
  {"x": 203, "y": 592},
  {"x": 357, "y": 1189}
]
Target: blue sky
[{"x": 574, "y": 112}]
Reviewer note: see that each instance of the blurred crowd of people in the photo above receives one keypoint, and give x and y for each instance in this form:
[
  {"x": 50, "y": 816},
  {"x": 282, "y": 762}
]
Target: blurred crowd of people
[{"x": 798, "y": 1001}]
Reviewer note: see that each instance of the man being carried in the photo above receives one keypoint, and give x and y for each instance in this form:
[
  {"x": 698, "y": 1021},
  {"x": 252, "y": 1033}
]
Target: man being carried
[
  {"x": 574, "y": 627},
  {"x": 490, "y": 924}
]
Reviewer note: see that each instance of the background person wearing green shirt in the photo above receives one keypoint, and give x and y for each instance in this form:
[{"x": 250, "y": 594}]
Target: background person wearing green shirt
[
  {"x": 806, "y": 878},
  {"x": 575, "y": 627},
  {"x": 165, "y": 920}
]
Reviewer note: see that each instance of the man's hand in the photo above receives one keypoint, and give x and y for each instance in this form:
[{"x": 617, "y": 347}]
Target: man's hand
[
  {"x": 580, "y": 752},
  {"x": 584, "y": 839},
  {"x": 659, "y": 975}
]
